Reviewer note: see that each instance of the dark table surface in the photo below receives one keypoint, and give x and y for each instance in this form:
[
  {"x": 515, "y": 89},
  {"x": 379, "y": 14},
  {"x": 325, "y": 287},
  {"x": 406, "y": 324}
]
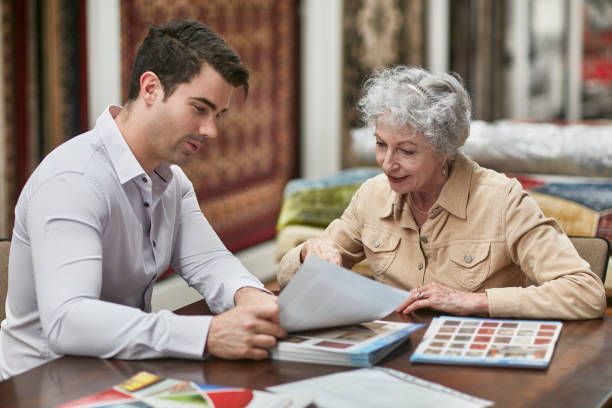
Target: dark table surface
[{"x": 580, "y": 374}]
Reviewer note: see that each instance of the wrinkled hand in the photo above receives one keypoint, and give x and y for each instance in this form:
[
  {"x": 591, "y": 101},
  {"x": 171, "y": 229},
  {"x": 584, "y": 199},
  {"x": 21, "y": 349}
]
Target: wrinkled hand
[
  {"x": 325, "y": 249},
  {"x": 244, "y": 332},
  {"x": 250, "y": 296},
  {"x": 440, "y": 297}
]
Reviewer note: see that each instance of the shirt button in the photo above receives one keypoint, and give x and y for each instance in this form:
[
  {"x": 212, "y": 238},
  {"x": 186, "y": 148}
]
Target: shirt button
[
  {"x": 420, "y": 266},
  {"x": 144, "y": 180},
  {"x": 468, "y": 259},
  {"x": 376, "y": 244},
  {"x": 424, "y": 239},
  {"x": 146, "y": 204}
]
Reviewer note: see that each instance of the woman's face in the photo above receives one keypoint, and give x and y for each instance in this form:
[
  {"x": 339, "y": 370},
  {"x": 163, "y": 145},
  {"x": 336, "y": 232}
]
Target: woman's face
[{"x": 408, "y": 160}]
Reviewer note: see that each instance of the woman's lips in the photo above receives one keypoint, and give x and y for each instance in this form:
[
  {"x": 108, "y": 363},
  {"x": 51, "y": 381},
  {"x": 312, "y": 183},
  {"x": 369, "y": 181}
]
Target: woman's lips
[{"x": 396, "y": 179}]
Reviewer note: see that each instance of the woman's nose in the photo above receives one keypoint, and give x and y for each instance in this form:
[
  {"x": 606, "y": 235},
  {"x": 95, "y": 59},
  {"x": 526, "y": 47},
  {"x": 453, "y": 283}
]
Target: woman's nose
[{"x": 389, "y": 160}]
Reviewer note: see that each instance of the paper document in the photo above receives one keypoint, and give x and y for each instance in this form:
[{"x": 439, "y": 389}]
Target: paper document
[
  {"x": 378, "y": 387},
  {"x": 324, "y": 295}
]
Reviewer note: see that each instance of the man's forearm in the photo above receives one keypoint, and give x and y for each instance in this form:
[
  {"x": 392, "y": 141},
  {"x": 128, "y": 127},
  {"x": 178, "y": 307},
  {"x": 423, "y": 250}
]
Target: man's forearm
[{"x": 249, "y": 295}]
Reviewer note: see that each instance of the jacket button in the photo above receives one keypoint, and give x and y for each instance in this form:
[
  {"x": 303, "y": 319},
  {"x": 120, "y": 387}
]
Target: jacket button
[
  {"x": 420, "y": 266},
  {"x": 424, "y": 239},
  {"x": 468, "y": 259}
]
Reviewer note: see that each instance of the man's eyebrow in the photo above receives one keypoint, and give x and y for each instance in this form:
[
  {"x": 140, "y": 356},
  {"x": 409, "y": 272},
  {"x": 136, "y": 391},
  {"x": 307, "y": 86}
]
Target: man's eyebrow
[{"x": 206, "y": 102}]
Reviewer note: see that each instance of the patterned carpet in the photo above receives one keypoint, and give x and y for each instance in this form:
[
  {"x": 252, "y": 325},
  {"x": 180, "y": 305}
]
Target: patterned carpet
[
  {"x": 581, "y": 207},
  {"x": 376, "y": 34},
  {"x": 240, "y": 176},
  {"x": 43, "y": 88}
]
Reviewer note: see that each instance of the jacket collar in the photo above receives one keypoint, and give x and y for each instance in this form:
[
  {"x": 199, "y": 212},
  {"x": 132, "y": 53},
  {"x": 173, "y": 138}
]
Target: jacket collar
[
  {"x": 395, "y": 207},
  {"x": 455, "y": 192}
]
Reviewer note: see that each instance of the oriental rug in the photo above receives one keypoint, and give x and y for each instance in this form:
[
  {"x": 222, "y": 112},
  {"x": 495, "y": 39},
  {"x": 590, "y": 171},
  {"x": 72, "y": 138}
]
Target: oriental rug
[
  {"x": 43, "y": 88},
  {"x": 239, "y": 177},
  {"x": 376, "y": 33}
]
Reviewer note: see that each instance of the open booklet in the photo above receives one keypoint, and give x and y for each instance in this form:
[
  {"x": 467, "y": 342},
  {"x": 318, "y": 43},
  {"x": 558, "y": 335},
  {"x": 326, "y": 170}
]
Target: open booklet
[
  {"x": 346, "y": 306},
  {"x": 380, "y": 388},
  {"x": 360, "y": 345},
  {"x": 489, "y": 342},
  {"x": 324, "y": 295},
  {"x": 145, "y": 390}
]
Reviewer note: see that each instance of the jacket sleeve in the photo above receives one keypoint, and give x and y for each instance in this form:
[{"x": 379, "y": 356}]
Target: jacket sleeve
[{"x": 565, "y": 287}]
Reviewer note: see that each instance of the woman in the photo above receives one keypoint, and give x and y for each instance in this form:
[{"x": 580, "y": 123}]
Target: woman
[{"x": 464, "y": 239}]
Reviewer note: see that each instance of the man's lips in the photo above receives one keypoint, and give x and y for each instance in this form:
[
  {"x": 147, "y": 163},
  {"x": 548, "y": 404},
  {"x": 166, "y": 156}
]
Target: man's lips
[{"x": 193, "y": 145}]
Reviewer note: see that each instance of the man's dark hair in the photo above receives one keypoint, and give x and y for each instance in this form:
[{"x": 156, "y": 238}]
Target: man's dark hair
[{"x": 175, "y": 52}]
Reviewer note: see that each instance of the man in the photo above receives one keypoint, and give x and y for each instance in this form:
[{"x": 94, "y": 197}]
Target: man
[{"x": 106, "y": 213}]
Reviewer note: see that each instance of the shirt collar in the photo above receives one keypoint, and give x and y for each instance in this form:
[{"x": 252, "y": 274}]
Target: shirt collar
[
  {"x": 121, "y": 156},
  {"x": 455, "y": 192},
  {"x": 163, "y": 172}
]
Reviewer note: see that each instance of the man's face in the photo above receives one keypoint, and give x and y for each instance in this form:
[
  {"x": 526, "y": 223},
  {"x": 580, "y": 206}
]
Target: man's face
[{"x": 181, "y": 123}]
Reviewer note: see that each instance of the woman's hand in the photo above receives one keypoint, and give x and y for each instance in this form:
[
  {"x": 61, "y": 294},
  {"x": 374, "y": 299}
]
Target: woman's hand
[
  {"x": 325, "y": 249},
  {"x": 446, "y": 299}
]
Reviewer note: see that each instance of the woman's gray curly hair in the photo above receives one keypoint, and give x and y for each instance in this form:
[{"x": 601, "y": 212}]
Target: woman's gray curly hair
[{"x": 436, "y": 106}]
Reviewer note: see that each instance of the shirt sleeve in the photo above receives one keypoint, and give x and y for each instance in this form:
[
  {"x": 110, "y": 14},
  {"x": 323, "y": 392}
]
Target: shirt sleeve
[
  {"x": 65, "y": 220},
  {"x": 344, "y": 231},
  {"x": 565, "y": 287},
  {"x": 202, "y": 260}
]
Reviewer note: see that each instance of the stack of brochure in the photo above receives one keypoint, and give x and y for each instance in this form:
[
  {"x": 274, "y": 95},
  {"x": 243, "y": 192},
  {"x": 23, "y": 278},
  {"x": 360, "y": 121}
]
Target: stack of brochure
[
  {"x": 146, "y": 390},
  {"x": 489, "y": 342},
  {"x": 347, "y": 305},
  {"x": 361, "y": 345}
]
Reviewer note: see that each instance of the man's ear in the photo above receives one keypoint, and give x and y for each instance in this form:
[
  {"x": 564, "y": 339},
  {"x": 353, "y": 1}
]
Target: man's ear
[{"x": 150, "y": 87}]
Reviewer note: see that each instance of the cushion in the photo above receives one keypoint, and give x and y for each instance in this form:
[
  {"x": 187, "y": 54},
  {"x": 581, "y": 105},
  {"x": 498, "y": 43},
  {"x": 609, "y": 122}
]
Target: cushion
[{"x": 316, "y": 203}]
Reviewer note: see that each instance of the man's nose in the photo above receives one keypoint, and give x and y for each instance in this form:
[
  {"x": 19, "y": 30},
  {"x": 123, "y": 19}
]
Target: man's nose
[{"x": 208, "y": 128}]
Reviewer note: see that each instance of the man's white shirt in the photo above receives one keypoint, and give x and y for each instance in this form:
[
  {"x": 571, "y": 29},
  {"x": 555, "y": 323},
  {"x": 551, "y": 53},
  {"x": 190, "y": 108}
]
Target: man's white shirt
[{"x": 92, "y": 233}]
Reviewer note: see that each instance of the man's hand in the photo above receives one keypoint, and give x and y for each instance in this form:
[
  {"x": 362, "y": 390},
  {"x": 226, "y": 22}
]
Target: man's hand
[
  {"x": 250, "y": 296},
  {"x": 244, "y": 332},
  {"x": 449, "y": 300},
  {"x": 325, "y": 249}
]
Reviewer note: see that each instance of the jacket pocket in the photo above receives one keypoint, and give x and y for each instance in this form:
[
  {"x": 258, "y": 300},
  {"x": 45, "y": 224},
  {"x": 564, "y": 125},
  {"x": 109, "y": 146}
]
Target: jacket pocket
[
  {"x": 380, "y": 249},
  {"x": 470, "y": 263}
]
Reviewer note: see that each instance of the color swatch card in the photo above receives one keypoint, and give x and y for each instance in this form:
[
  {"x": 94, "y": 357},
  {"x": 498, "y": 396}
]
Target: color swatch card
[{"x": 492, "y": 342}]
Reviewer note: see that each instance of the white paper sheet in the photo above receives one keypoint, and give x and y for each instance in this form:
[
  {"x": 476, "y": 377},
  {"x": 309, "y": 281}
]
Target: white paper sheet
[
  {"x": 324, "y": 295},
  {"x": 378, "y": 387}
]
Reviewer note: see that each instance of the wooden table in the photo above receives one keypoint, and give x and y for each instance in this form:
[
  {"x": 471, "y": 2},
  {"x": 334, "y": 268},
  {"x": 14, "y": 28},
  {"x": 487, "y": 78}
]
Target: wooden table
[{"x": 580, "y": 374}]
